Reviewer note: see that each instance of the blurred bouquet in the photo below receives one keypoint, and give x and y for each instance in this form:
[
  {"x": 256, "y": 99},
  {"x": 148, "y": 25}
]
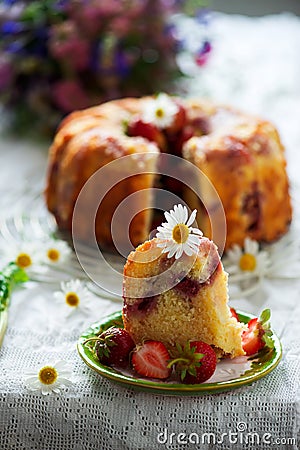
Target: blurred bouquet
[{"x": 57, "y": 56}]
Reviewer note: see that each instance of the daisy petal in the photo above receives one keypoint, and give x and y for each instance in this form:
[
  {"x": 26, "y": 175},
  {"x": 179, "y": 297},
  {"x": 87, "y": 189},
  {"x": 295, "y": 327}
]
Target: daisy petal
[
  {"x": 172, "y": 251},
  {"x": 194, "y": 246},
  {"x": 161, "y": 235},
  {"x": 251, "y": 246},
  {"x": 194, "y": 239},
  {"x": 185, "y": 214},
  {"x": 188, "y": 250},
  {"x": 196, "y": 231},
  {"x": 171, "y": 221},
  {"x": 55, "y": 390},
  {"x": 179, "y": 252},
  {"x": 192, "y": 218}
]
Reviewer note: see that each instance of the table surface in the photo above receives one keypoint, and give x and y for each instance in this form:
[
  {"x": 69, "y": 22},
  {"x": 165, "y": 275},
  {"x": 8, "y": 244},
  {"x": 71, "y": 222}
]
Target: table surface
[{"x": 255, "y": 65}]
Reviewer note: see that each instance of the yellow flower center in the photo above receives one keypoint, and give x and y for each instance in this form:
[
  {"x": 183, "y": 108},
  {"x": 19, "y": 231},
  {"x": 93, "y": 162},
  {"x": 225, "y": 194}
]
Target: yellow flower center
[
  {"x": 247, "y": 262},
  {"x": 53, "y": 254},
  {"x": 180, "y": 233},
  {"x": 159, "y": 112},
  {"x": 23, "y": 260},
  {"x": 48, "y": 375},
  {"x": 72, "y": 299}
]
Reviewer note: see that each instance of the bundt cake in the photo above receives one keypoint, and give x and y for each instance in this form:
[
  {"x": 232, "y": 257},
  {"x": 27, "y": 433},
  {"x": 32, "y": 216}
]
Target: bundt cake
[
  {"x": 244, "y": 159},
  {"x": 176, "y": 300},
  {"x": 241, "y": 155}
]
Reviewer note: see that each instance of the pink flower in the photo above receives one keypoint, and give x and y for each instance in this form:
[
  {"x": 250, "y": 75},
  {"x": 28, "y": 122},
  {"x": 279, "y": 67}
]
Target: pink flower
[
  {"x": 109, "y": 8},
  {"x": 201, "y": 60},
  {"x": 69, "y": 95},
  {"x": 94, "y": 17},
  {"x": 66, "y": 44},
  {"x": 87, "y": 14},
  {"x": 121, "y": 26}
]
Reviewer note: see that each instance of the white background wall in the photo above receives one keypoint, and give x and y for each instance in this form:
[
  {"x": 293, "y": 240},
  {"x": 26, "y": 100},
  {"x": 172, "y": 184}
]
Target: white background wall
[{"x": 255, "y": 7}]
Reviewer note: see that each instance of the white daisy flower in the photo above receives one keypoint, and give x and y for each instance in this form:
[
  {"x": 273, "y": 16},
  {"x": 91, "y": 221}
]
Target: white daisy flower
[
  {"x": 249, "y": 261},
  {"x": 50, "y": 378},
  {"x": 57, "y": 251},
  {"x": 160, "y": 111},
  {"x": 178, "y": 235},
  {"x": 25, "y": 254},
  {"x": 74, "y": 296}
]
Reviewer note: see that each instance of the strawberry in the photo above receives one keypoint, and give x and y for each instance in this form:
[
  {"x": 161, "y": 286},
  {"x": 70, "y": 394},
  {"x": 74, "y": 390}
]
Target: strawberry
[
  {"x": 178, "y": 121},
  {"x": 234, "y": 314},
  {"x": 113, "y": 347},
  {"x": 186, "y": 134},
  {"x": 195, "y": 362},
  {"x": 258, "y": 334},
  {"x": 150, "y": 359},
  {"x": 147, "y": 130}
]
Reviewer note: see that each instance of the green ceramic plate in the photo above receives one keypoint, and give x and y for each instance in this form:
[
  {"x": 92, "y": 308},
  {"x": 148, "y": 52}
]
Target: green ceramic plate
[{"x": 229, "y": 374}]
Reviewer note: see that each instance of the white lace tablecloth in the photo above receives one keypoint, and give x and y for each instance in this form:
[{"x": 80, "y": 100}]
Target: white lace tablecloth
[{"x": 255, "y": 65}]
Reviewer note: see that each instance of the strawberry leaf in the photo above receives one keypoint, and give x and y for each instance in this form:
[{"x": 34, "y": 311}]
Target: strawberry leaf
[
  {"x": 268, "y": 341},
  {"x": 186, "y": 360},
  {"x": 183, "y": 374},
  {"x": 269, "y": 332},
  {"x": 192, "y": 371},
  {"x": 198, "y": 357},
  {"x": 265, "y": 316}
]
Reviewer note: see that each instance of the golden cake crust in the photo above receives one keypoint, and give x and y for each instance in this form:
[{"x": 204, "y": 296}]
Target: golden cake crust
[
  {"x": 241, "y": 155},
  {"x": 253, "y": 187},
  {"x": 86, "y": 142}
]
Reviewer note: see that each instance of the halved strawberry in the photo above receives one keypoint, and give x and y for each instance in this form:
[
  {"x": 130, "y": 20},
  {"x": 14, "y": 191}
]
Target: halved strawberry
[
  {"x": 150, "y": 359},
  {"x": 195, "y": 362},
  {"x": 252, "y": 338},
  {"x": 147, "y": 130},
  {"x": 258, "y": 334},
  {"x": 234, "y": 314}
]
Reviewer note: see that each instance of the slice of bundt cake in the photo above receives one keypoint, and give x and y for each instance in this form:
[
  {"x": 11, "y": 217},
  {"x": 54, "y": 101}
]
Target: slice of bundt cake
[{"x": 179, "y": 298}]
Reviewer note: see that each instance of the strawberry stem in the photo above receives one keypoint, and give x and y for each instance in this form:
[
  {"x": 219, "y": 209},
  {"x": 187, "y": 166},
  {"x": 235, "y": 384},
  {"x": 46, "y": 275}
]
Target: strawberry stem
[
  {"x": 176, "y": 360},
  {"x": 92, "y": 339}
]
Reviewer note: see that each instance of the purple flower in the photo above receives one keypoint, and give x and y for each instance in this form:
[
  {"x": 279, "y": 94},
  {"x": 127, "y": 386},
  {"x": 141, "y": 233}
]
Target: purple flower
[
  {"x": 15, "y": 47},
  {"x": 121, "y": 63},
  {"x": 202, "y": 55},
  {"x": 6, "y": 73},
  {"x": 12, "y": 27},
  {"x": 9, "y": 2},
  {"x": 69, "y": 95},
  {"x": 206, "y": 47},
  {"x": 61, "y": 55}
]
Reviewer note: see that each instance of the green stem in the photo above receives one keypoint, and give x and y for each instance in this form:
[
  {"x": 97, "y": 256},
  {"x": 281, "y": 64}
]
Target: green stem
[
  {"x": 175, "y": 361},
  {"x": 92, "y": 339},
  {"x": 9, "y": 277},
  {"x": 3, "y": 324}
]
